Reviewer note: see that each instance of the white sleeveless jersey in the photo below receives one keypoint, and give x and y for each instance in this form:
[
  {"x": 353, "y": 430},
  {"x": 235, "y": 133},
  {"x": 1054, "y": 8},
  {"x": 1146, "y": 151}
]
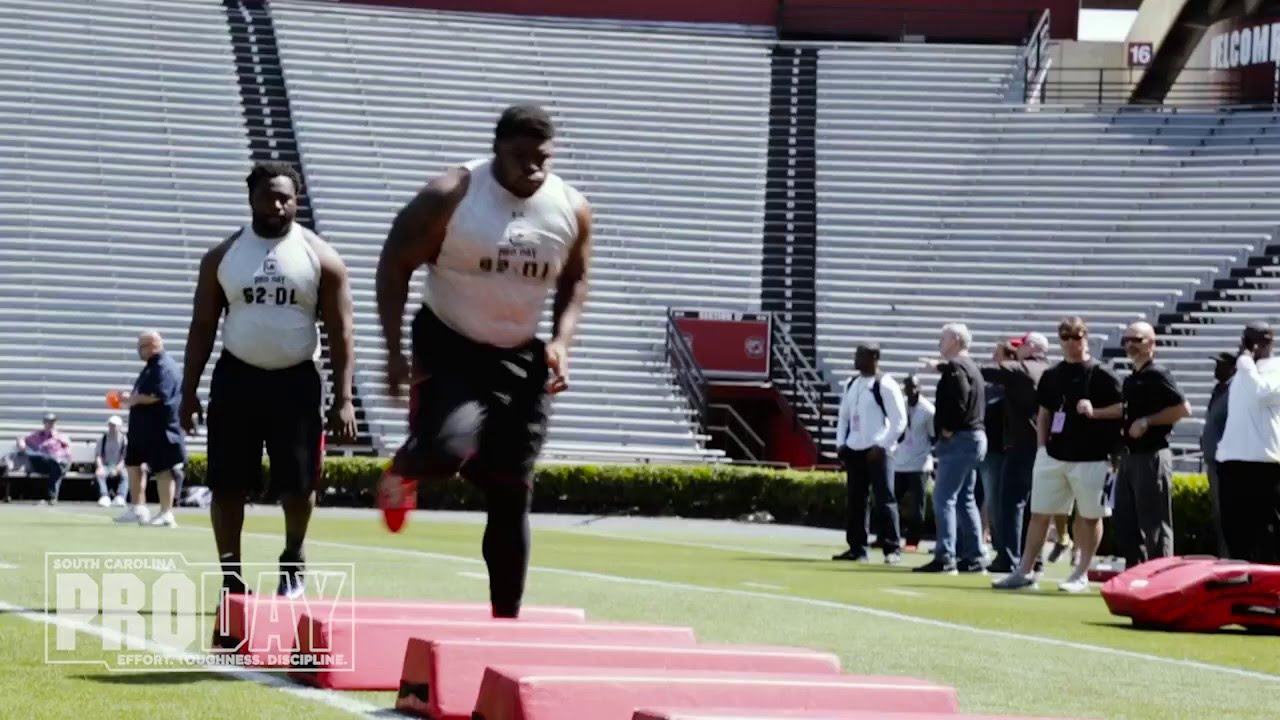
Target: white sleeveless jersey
[
  {"x": 273, "y": 291},
  {"x": 500, "y": 257}
]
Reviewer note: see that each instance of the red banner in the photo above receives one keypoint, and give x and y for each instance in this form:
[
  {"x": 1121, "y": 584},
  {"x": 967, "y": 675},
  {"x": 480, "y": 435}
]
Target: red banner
[{"x": 725, "y": 344}]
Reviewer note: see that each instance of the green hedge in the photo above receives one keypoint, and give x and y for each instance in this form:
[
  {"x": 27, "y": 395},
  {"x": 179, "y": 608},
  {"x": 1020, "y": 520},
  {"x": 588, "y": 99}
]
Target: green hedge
[{"x": 794, "y": 497}]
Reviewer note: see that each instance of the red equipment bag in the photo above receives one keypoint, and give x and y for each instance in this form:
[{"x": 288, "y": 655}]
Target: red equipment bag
[{"x": 1197, "y": 594}]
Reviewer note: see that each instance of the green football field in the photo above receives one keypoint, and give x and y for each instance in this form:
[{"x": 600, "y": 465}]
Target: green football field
[{"x": 1040, "y": 653}]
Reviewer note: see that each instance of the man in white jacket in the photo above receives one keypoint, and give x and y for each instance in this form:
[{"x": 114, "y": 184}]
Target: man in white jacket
[
  {"x": 872, "y": 416},
  {"x": 1248, "y": 455}
]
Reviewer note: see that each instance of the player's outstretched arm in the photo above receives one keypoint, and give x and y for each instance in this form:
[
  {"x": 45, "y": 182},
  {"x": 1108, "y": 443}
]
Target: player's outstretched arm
[
  {"x": 336, "y": 312},
  {"x": 570, "y": 299},
  {"x": 207, "y": 307},
  {"x": 414, "y": 240}
]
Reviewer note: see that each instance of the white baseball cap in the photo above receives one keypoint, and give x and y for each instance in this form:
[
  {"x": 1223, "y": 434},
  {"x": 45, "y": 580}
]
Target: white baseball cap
[{"x": 115, "y": 421}]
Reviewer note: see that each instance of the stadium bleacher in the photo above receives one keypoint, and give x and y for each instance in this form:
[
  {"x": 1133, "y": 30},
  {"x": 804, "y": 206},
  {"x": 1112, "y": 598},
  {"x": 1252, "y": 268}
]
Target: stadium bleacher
[
  {"x": 121, "y": 161},
  {"x": 964, "y": 208},
  {"x": 664, "y": 132},
  {"x": 941, "y": 196}
]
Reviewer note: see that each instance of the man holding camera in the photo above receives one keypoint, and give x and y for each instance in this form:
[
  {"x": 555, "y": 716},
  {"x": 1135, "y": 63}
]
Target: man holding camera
[{"x": 1248, "y": 455}]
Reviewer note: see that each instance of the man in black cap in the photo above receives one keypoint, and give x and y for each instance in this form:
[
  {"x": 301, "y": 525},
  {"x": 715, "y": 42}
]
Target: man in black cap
[
  {"x": 1215, "y": 421},
  {"x": 1248, "y": 453}
]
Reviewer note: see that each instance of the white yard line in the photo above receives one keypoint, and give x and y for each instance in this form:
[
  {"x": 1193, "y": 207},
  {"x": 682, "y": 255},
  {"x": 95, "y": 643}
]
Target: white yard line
[
  {"x": 8, "y": 566},
  {"x": 798, "y": 600},
  {"x": 907, "y": 593},
  {"x": 344, "y": 703},
  {"x": 474, "y": 576}
]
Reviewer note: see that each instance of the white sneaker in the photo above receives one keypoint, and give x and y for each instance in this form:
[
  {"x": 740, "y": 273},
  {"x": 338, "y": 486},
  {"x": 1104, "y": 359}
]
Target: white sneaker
[
  {"x": 1075, "y": 584},
  {"x": 164, "y": 520},
  {"x": 142, "y": 514},
  {"x": 128, "y": 516},
  {"x": 119, "y": 501},
  {"x": 1015, "y": 581},
  {"x": 104, "y": 501}
]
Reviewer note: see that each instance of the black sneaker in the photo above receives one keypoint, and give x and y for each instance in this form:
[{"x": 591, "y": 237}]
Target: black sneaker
[
  {"x": 851, "y": 555},
  {"x": 937, "y": 566},
  {"x": 292, "y": 578},
  {"x": 999, "y": 568},
  {"x": 971, "y": 567}
]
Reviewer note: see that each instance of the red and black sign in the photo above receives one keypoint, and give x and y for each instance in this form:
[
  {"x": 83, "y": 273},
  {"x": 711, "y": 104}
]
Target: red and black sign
[{"x": 727, "y": 345}]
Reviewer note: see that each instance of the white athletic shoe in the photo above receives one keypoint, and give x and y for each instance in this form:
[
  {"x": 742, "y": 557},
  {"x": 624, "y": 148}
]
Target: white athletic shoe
[
  {"x": 164, "y": 520},
  {"x": 119, "y": 501},
  {"x": 104, "y": 501},
  {"x": 1075, "y": 584},
  {"x": 1015, "y": 581},
  {"x": 128, "y": 516}
]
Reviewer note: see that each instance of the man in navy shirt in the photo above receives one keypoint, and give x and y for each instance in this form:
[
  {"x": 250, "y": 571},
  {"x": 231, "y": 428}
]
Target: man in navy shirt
[{"x": 155, "y": 436}]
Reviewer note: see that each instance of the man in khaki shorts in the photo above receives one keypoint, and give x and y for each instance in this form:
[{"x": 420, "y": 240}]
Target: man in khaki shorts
[{"x": 1077, "y": 427}]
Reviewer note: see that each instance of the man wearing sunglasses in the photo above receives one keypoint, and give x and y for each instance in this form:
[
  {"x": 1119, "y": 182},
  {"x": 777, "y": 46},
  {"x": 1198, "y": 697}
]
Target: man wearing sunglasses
[
  {"x": 1077, "y": 429},
  {"x": 1153, "y": 404}
]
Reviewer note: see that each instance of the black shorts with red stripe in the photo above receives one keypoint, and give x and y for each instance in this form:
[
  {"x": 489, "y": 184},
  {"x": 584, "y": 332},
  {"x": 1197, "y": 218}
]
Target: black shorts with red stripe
[
  {"x": 250, "y": 409},
  {"x": 481, "y": 411}
]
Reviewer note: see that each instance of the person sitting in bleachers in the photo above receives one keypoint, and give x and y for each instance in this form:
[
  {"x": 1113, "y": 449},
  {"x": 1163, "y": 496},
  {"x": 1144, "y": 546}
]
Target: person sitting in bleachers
[
  {"x": 108, "y": 463},
  {"x": 47, "y": 452}
]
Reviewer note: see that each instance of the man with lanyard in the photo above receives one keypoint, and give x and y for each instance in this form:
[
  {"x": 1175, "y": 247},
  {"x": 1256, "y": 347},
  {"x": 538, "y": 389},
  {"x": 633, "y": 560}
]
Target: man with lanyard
[
  {"x": 1080, "y": 402},
  {"x": 872, "y": 417}
]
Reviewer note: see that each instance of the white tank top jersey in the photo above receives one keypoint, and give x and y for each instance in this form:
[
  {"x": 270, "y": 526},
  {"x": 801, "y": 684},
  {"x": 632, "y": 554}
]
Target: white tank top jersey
[
  {"x": 500, "y": 258},
  {"x": 273, "y": 291}
]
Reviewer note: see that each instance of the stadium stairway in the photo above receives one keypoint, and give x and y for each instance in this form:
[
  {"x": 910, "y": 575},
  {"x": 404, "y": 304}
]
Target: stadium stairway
[
  {"x": 122, "y": 160},
  {"x": 665, "y": 133},
  {"x": 269, "y": 124}
]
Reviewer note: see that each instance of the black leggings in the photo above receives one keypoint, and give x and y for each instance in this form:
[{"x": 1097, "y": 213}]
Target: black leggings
[{"x": 506, "y": 544}]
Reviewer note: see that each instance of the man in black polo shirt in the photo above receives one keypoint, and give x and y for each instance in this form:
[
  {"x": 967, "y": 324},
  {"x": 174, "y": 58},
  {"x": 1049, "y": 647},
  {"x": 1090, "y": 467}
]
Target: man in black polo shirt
[
  {"x": 1077, "y": 428},
  {"x": 1153, "y": 404}
]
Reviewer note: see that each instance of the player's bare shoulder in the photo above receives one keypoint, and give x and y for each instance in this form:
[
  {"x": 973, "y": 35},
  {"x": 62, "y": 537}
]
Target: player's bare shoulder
[{"x": 444, "y": 192}]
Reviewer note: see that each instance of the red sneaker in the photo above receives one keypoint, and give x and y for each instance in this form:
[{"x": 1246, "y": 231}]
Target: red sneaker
[{"x": 396, "y": 496}]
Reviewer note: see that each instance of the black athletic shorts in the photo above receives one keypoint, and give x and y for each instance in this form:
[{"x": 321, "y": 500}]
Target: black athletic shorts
[
  {"x": 250, "y": 408},
  {"x": 159, "y": 454},
  {"x": 482, "y": 410}
]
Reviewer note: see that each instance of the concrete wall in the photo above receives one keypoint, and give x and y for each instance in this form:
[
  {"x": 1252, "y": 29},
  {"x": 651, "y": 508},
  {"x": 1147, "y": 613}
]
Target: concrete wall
[{"x": 1076, "y": 68}]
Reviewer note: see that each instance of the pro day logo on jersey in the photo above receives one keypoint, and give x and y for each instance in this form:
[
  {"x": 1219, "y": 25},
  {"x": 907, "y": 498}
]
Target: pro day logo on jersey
[{"x": 138, "y": 612}]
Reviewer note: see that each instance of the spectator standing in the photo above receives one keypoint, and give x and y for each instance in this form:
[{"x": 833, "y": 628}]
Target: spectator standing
[
  {"x": 913, "y": 462},
  {"x": 48, "y": 452},
  {"x": 1018, "y": 366},
  {"x": 1078, "y": 430},
  {"x": 992, "y": 466},
  {"x": 961, "y": 446},
  {"x": 156, "y": 438},
  {"x": 872, "y": 417},
  {"x": 1215, "y": 422},
  {"x": 1248, "y": 454},
  {"x": 108, "y": 463},
  {"x": 1153, "y": 404}
]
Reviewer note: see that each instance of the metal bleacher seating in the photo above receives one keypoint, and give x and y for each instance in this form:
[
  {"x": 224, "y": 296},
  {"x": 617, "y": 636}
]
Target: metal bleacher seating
[
  {"x": 665, "y": 133},
  {"x": 122, "y": 158},
  {"x": 959, "y": 206}
]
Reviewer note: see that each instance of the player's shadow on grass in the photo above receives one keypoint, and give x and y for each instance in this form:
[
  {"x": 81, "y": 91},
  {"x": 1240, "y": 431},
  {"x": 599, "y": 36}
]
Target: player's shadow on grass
[
  {"x": 1228, "y": 631},
  {"x": 158, "y": 677}
]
